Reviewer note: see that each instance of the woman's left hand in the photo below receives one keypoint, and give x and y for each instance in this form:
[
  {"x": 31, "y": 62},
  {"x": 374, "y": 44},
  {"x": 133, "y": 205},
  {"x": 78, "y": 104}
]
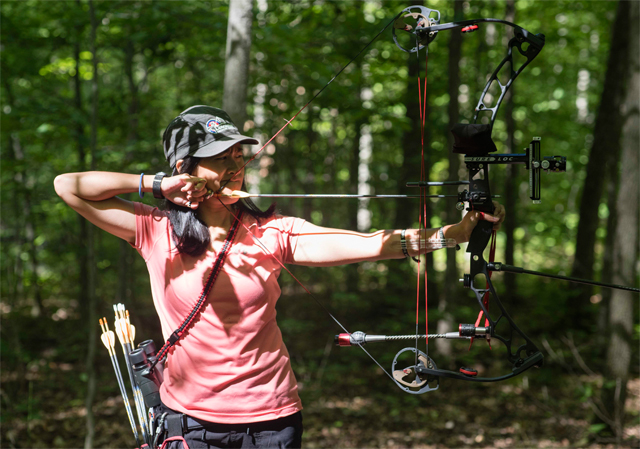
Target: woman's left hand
[{"x": 461, "y": 232}]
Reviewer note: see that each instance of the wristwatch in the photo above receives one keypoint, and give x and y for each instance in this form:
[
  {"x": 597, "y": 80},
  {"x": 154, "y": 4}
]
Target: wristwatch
[{"x": 157, "y": 180}]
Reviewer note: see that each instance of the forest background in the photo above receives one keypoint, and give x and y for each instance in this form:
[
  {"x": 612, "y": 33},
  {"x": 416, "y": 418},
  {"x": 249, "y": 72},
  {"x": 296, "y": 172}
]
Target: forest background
[{"x": 92, "y": 85}]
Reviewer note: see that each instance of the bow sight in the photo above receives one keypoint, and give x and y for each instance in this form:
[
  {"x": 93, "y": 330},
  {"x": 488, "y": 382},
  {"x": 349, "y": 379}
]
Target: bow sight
[{"x": 476, "y": 162}]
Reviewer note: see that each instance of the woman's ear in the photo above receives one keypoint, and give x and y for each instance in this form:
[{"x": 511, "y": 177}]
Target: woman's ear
[{"x": 179, "y": 165}]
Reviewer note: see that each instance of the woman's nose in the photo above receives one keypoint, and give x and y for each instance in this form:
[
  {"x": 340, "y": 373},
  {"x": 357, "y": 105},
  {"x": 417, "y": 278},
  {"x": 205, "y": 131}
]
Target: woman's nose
[{"x": 235, "y": 164}]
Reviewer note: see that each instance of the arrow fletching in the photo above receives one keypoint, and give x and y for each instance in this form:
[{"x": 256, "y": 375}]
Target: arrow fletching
[
  {"x": 119, "y": 332},
  {"x": 112, "y": 340},
  {"x": 132, "y": 333},
  {"x": 105, "y": 341},
  {"x": 234, "y": 194},
  {"x": 131, "y": 330}
]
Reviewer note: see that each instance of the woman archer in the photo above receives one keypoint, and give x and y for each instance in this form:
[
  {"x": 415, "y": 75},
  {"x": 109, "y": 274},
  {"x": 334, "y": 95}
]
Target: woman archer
[{"x": 229, "y": 377}]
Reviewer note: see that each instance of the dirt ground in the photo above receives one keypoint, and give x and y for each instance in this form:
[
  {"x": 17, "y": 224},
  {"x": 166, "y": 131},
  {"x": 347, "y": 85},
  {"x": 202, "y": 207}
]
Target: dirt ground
[{"x": 455, "y": 416}]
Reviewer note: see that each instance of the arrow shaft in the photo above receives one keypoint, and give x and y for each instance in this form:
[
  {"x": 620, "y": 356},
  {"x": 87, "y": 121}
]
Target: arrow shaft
[
  {"x": 436, "y": 183},
  {"x": 123, "y": 392},
  {"x": 137, "y": 395},
  {"x": 332, "y": 195}
]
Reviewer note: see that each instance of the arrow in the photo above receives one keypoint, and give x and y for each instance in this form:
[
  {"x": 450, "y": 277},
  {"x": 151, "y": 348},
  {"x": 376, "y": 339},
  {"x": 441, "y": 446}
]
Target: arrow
[
  {"x": 108, "y": 340},
  {"x": 241, "y": 194},
  {"x": 125, "y": 333}
]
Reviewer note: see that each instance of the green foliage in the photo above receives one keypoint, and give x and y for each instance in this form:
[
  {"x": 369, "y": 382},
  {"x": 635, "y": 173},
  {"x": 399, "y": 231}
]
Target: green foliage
[{"x": 157, "y": 58}]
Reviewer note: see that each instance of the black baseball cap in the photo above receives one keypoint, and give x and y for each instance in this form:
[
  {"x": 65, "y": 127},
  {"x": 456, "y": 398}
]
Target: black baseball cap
[{"x": 201, "y": 131}]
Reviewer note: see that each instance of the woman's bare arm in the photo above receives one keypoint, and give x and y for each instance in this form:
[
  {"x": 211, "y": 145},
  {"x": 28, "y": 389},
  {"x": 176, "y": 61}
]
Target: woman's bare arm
[
  {"x": 93, "y": 195},
  {"x": 324, "y": 247}
]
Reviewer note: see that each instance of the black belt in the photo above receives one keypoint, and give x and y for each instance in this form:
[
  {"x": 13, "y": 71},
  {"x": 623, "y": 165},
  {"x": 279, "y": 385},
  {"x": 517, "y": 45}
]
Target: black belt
[{"x": 177, "y": 424}]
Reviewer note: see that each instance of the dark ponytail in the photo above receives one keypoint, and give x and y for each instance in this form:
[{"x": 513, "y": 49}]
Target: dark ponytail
[{"x": 190, "y": 234}]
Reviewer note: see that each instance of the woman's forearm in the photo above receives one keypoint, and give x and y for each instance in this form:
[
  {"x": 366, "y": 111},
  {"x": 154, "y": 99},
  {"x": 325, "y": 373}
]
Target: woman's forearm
[
  {"x": 319, "y": 246},
  {"x": 419, "y": 241},
  {"x": 99, "y": 186}
]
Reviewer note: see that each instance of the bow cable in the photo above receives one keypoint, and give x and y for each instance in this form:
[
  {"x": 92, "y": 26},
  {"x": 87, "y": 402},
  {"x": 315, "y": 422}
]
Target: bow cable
[
  {"x": 422, "y": 219},
  {"x": 268, "y": 252},
  {"x": 314, "y": 97}
]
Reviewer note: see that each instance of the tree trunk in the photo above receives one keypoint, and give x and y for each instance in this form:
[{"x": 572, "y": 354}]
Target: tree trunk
[
  {"x": 353, "y": 207},
  {"x": 236, "y": 70},
  {"x": 351, "y": 270},
  {"x": 22, "y": 209},
  {"x": 91, "y": 284},
  {"x": 451, "y": 284},
  {"x": 125, "y": 259},
  {"x": 613, "y": 180},
  {"x": 16, "y": 273},
  {"x": 308, "y": 167},
  {"x": 30, "y": 235},
  {"x": 625, "y": 245},
  {"x": 80, "y": 143},
  {"x": 607, "y": 125}
]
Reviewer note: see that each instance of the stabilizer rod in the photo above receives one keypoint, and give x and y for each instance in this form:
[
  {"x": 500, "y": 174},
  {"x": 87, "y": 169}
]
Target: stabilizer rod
[
  {"x": 466, "y": 332},
  {"x": 497, "y": 266}
]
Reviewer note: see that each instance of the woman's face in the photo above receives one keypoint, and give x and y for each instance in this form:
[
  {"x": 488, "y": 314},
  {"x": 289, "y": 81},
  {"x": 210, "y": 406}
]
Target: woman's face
[{"x": 224, "y": 169}]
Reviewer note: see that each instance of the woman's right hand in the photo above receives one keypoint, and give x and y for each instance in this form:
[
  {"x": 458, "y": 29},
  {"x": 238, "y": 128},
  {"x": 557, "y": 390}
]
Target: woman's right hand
[{"x": 184, "y": 190}]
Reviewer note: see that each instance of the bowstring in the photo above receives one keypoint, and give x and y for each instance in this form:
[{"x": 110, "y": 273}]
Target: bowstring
[
  {"x": 264, "y": 248},
  {"x": 313, "y": 98},
  {"x": 422, "y": 219}
]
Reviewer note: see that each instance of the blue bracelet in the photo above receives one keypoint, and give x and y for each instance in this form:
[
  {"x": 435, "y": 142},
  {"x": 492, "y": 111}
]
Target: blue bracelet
[{"x": 140, "y": 192}]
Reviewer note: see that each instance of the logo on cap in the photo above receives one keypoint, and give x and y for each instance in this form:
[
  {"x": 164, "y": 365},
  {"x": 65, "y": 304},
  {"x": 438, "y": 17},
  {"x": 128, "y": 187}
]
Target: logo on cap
[{"x": 217, "y": 125}]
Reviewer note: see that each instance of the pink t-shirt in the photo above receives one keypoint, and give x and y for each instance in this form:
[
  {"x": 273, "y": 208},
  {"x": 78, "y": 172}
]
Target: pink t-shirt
[{"x": 231, "y": 366}]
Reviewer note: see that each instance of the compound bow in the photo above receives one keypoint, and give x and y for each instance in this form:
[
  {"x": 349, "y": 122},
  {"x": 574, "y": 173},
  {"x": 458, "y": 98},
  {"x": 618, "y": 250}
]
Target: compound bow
[{"x": 475, "y": 142}]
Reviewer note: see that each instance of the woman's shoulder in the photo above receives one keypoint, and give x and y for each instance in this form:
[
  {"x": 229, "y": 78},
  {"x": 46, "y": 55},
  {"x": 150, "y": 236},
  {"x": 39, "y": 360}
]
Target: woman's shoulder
[{"x": 283, "y": 223}]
